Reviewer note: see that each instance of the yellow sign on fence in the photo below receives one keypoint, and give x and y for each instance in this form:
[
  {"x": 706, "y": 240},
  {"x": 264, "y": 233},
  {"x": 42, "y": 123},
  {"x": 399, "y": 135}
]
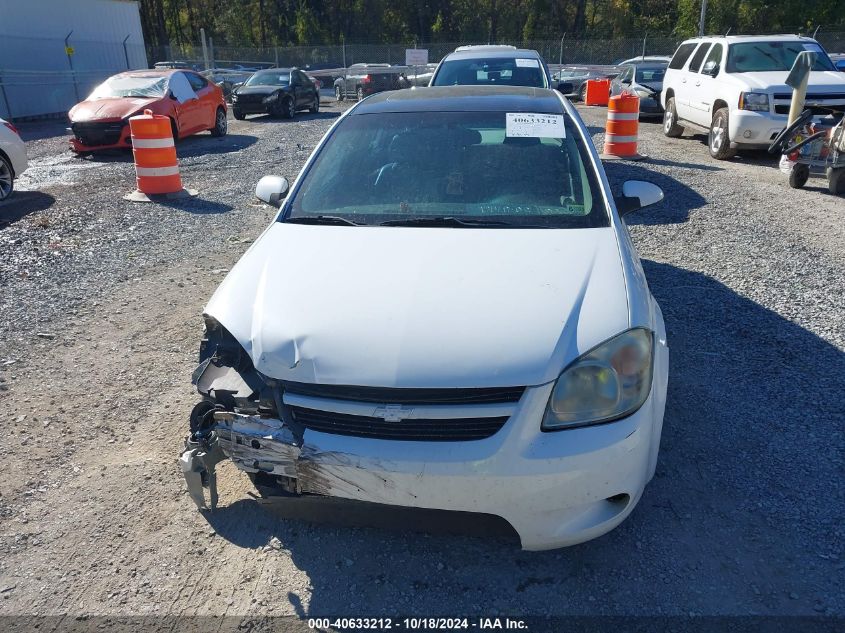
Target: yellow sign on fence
[{"x": 69, "y": 50}]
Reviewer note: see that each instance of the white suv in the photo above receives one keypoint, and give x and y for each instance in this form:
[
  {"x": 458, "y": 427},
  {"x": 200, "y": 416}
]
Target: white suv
[{"x": 735, "y": 88}]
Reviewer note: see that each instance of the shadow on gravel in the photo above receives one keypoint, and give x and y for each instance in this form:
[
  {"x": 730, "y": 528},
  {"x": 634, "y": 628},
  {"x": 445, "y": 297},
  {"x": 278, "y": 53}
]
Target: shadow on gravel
[
  {"x": 300, "y": 116},
  {"x": 197, "y": 206},
  {"x": 743, "y": 516},
  {"x": 37, "y": 130},
  {"x": 21, "y": 204},
  {"x": 204, "y": 145},
  {"x": 679, "y": 199}
]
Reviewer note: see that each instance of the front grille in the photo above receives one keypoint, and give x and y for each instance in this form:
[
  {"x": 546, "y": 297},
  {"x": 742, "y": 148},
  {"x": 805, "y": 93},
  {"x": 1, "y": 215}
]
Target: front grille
[
  {"x": 821, "y": 97},
  {"x": 483, "y": 395},
  {"x": 451, "y": 430},
  {"x": 819, "y": 111},
  {"x": 250, "y": 98},
  {"x": 97, "y": 133}
]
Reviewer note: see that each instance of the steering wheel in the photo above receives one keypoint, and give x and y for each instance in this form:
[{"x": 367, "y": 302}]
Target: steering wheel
[{"x": 779, "y": 144}]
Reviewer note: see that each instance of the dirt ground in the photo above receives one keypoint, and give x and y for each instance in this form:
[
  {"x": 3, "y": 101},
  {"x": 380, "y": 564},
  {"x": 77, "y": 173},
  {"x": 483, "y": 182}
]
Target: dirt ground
[{"x": 743, "y": 517}]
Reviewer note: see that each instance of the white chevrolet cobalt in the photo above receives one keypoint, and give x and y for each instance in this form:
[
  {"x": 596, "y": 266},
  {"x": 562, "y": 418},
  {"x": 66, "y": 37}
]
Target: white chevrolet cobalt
[{"x": 447, "y": 313}]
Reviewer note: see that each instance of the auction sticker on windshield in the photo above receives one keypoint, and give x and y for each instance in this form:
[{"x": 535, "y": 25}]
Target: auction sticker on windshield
[
  {"x": 534, "y": 125},
  {"x": 522, "y": 62}
]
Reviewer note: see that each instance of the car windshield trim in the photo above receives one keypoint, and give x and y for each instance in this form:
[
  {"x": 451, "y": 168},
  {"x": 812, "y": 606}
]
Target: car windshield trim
[{"x": 447, "y": 168}]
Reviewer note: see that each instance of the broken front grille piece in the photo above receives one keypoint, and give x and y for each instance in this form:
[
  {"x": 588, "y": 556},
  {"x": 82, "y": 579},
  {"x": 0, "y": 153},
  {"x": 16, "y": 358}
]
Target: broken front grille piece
[
  {"x": 483, "y": 395},
  {"x": 443, "y": 430}
]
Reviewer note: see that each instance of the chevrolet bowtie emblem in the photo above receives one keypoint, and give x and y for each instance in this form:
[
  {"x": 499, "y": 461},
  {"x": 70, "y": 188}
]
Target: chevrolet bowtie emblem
[{"x": 393, "y": 412}]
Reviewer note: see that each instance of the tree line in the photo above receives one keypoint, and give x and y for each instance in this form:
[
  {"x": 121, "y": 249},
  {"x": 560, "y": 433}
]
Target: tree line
[{"x": 311, "y": 22}]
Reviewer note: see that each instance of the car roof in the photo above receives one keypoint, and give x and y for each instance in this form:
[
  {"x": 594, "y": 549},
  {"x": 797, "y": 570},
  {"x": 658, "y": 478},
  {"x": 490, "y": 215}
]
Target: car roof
[
  {"x": 463, "y": 99},
  {"x": 264, "y": 71},
  {"x": 650, "y": 65},
  {"x": 493, "y": 52},
  {"x": 152, "y": 72},
  {"x": 734, "y": 39}
]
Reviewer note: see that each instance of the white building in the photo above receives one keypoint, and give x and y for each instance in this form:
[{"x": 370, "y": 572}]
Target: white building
[{"x": 53, "y": 52}]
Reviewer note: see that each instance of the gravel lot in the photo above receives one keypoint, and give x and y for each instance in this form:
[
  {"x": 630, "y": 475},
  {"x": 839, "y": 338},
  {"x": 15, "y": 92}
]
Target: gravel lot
[{"x": 100, "y": 303}]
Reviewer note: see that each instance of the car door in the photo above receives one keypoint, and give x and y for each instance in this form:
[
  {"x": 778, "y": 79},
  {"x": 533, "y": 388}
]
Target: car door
[
  {"x": 188, "y": 108},
  {"x": 207, "y": 107},
  {"x": 691, "y": 77},
  {"x": 703, "y": 89},
  {"x": 306, "y": 89}
]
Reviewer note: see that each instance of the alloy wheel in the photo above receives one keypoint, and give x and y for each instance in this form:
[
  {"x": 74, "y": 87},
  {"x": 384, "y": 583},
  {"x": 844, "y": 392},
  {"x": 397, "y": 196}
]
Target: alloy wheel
[{"x": 5, "y": 180}]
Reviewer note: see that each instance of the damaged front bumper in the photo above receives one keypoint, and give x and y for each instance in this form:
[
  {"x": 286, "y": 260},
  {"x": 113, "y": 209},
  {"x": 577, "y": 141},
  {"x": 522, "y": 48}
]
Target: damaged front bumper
[{"x": 555, "y": 489}]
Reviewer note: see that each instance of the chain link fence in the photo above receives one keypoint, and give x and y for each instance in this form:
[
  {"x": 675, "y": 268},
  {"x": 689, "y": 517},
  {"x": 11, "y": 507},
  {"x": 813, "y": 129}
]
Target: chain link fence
[{"x": 566, "y": 50}]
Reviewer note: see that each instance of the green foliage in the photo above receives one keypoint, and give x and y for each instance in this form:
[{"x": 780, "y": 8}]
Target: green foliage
[{"x": 301, "y": 22}]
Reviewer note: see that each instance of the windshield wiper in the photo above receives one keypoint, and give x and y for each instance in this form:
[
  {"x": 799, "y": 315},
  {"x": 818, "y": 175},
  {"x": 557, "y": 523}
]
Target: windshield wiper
[
  {"x": 322, "y": 219},
  {"x": 444, "y": 221}
]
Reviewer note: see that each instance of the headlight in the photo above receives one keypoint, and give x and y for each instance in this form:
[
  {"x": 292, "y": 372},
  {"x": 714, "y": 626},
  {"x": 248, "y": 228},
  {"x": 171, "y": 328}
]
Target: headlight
[
  {"x": 270, "y": 98},
  {"x": 609, "y": 382},
  {"x": 756, "y": 101},
  {"x": 643, "y": 94}
]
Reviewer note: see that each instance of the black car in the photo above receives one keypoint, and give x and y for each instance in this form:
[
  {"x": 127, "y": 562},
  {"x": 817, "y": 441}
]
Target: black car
[{"x": 276, "y": 91}]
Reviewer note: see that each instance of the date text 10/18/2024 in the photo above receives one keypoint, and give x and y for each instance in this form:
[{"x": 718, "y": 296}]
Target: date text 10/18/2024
[{"x": 418, "y": 624}]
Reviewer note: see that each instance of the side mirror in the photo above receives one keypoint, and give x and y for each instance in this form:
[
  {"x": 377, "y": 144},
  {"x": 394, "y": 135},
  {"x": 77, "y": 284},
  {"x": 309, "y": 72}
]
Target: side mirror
[
  {"x": 637, "y": 194},
  {"x": 272, "y": 189},
  {"x": 711, "y": 69},
  {"x": 565, "y": 87}
]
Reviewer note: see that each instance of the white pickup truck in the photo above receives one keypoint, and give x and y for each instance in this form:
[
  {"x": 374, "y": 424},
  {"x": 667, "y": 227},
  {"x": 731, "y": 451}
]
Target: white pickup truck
[{"x": 734, "y": 87}]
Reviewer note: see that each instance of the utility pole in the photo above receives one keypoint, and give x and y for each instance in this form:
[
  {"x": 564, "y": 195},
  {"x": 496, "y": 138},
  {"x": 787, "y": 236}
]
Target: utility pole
[
  {"x": 204, "y": 49},
  {"x": 703, "y": 15},
  {"x": 560, "y": 56}
]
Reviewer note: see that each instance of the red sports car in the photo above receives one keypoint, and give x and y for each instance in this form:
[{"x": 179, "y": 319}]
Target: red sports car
[{"x": 191, "y": 101}]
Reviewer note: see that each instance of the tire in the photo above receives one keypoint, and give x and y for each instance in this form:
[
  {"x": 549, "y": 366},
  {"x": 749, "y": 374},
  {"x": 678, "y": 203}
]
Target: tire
[
  {"x": 240, "y": 116},
  {"x": 221, "y": 124},
  {"x": 836, "y": 181},
  {"x": 288, "y": 109},
  {"x": 670, "y": 120},
  {"x": 7, "y": 178},
  {"x": 798, "y": 176},
  {"x": 338, "y": 94},
  {"x": 360, "y": 93},
  {"x": 315, "y": 107},
  {"x": 718, "y": 139},
  {"x": 582, "y": 93}
]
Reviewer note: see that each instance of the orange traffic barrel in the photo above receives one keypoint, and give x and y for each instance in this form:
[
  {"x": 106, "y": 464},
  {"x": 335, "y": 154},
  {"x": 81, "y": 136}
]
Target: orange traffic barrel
[
  {"x": 598, "y": 92},
  {"x": 623, "y": 123},
  {"x": 156, "y": 167}
]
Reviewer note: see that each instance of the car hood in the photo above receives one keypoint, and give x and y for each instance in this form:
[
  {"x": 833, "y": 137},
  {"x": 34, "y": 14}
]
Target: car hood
[
  {"x": 111, "y": 108},
  {"x": 819, "y": 82},
  {"x": 423, "y": 307}
]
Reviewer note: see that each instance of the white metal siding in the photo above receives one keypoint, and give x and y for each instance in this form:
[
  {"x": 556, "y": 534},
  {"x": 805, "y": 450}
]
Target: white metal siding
[{"x": 35, "y": 73}]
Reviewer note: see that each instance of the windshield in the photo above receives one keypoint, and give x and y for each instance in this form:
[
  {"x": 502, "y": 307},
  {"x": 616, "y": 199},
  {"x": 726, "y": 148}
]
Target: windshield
[
  {"x": 491, "y": 72},
  {"x": 453, "y": 167},
  {"x": 755, "y": 57},
  {"x": 148, "y": 87},
  {"x": 650, "y": 75},
  {"x": 268, "y": 79}
]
